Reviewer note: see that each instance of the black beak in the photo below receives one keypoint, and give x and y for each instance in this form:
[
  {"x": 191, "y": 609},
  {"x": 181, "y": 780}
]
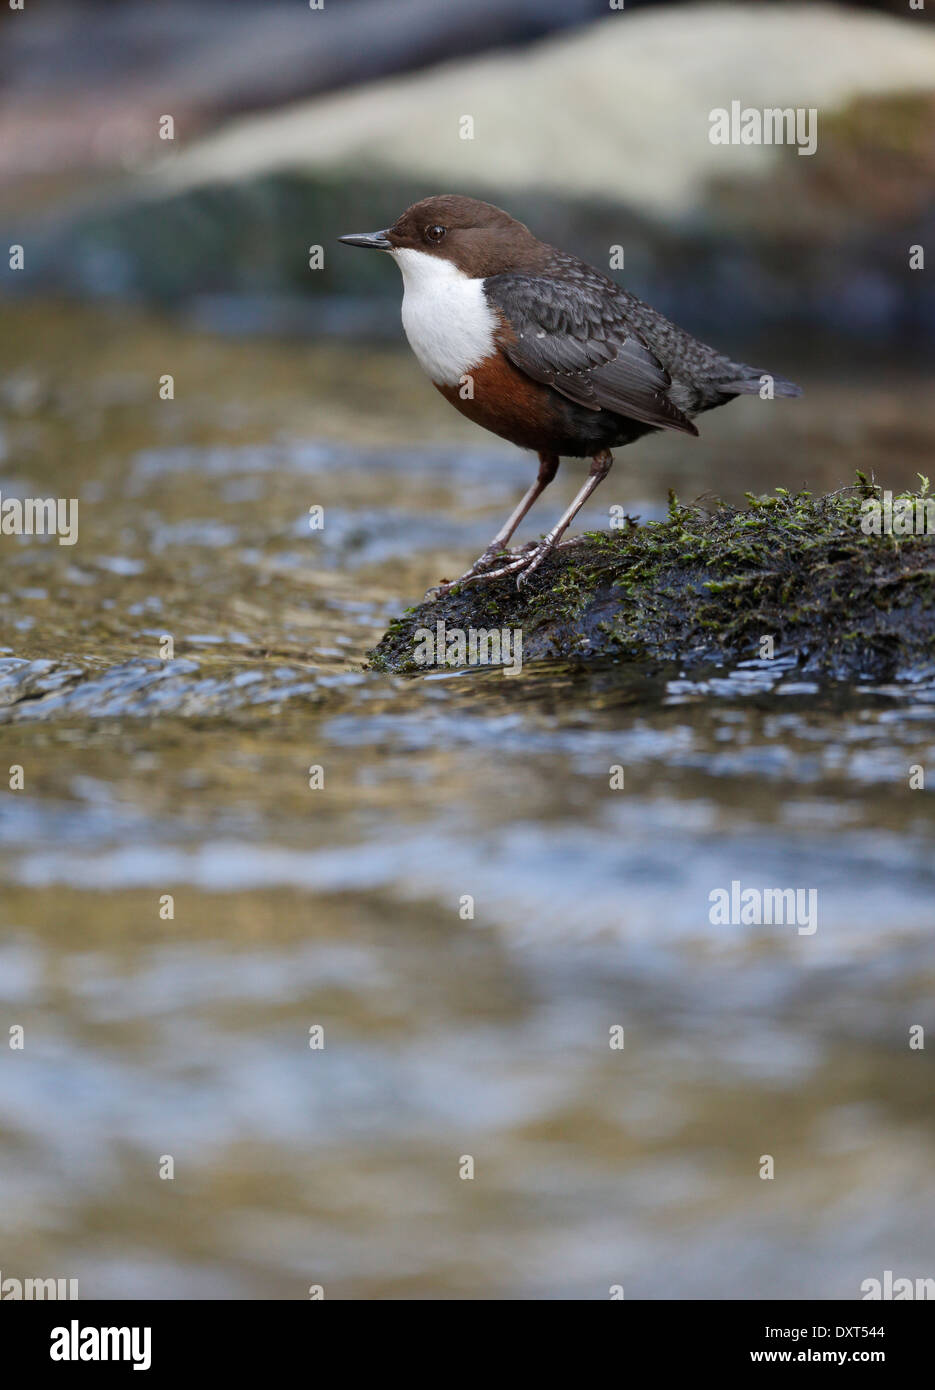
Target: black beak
[{"x": 379, "y": 241}]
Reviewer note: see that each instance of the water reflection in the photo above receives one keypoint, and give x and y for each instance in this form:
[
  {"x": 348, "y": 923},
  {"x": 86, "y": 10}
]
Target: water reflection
[{"x": 445, "y": 1034}]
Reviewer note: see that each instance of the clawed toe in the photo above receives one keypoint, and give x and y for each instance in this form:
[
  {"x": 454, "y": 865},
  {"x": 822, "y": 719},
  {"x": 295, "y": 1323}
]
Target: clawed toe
[
  {"x": 490, "y": 565},
  {"x": 497, "y": 564},
  {"x": 484, "y": 575},
  {"x": 486, "y": 561},
  {"x": 522, "y": 565},
  {"x": 532, "y": 564}
]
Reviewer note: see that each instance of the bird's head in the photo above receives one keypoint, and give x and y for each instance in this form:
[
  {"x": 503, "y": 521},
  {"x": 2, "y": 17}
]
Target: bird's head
[{"x": 478, "y": 238}]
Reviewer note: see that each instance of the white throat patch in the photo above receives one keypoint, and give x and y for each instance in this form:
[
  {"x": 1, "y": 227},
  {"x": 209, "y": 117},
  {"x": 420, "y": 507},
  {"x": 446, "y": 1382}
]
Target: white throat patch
[{"x": 449, "y": 324}]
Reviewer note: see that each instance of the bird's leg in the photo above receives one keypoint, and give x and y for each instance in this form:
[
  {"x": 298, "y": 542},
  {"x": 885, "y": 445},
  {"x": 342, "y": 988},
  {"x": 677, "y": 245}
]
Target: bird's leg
[
  {"x": 600, "y": 467},
  {"x": 527, "y": 564},
  {"x": 548, "y": 467}
]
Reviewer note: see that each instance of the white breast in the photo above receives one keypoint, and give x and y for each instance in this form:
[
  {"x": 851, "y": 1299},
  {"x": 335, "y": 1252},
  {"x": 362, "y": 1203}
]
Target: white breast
[{"x": 449, "y": 324}]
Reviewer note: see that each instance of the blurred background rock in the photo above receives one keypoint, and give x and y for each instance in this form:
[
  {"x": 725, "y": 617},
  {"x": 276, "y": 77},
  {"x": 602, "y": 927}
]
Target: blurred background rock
[{"x": 293, "y": 125}]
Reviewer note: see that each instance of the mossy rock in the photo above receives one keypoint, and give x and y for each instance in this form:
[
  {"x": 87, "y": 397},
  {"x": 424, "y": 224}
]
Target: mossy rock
[{"x": 708, "y": 585}]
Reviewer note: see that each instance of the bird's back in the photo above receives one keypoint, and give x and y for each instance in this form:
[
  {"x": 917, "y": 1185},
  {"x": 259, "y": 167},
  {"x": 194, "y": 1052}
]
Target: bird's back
[{"x": 702, "y": 377}]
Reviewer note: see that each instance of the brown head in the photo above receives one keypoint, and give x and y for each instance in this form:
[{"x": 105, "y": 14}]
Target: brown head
[{"x": 479, "y": 238}]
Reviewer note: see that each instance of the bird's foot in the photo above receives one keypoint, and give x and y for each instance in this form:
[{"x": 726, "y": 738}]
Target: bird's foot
[
  {"x": 540, "y": 552},
  {"x": 523, "y": 564},
  {"x": 482, "y": 568},
  {"x": 544, "y": 548}
]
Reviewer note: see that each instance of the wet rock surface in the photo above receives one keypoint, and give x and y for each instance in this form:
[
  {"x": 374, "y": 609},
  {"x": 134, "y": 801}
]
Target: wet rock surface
[{"x": 710, "y": 585}]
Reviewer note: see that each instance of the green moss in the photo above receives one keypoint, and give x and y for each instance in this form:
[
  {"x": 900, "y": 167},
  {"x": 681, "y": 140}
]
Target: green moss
[{"x": 710, "y": 584}]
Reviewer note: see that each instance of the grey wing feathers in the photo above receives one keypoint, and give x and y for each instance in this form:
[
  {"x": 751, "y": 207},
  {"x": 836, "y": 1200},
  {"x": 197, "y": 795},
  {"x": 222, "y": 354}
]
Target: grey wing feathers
[{"x": 575, "y": 337}]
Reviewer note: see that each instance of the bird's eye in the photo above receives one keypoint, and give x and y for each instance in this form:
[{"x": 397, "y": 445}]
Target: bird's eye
[{"x": 435, "y": 233}]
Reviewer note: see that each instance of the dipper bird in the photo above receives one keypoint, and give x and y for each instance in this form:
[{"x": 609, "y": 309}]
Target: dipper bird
[{"x": 544, "y": 350}]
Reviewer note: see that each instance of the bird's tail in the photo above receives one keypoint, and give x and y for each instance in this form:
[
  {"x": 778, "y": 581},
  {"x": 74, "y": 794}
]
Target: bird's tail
[{"x": 749, "y": 382}]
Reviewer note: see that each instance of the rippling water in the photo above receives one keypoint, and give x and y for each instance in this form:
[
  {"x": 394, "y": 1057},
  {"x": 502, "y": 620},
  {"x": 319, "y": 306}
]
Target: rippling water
[{"x": 445, "y": 1034}]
